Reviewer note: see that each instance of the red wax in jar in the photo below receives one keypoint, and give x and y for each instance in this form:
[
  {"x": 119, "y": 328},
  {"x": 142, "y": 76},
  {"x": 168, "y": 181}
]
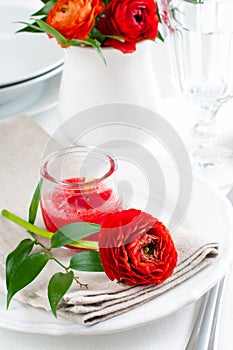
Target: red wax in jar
[{"x": 62, "y": 206}]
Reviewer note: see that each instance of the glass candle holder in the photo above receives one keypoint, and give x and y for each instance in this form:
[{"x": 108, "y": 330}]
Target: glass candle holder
[{"x": 78, "y": 185}]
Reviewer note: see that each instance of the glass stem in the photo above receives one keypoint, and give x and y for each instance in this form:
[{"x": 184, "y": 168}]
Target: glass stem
[
  {"x": 206, "y": 127},
  {"x": 206, "y": 137}
]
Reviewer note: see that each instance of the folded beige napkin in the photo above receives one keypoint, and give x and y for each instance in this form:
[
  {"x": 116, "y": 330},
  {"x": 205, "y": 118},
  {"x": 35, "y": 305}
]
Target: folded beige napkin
[{"x": 22, "y": 144}]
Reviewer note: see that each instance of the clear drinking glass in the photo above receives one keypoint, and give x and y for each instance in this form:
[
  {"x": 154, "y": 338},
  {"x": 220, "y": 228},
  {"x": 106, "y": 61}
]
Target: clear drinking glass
[
  {"x": 78, "y": 185},
  {"x": 200, "y": 43}
]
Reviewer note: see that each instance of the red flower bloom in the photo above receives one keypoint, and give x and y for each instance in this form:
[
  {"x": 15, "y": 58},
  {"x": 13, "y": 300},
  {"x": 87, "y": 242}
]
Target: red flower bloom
[
  {"x": 136, "y": 248},
  {"x": 133, "y": 20},
  {"x": 74, "y": 18}
]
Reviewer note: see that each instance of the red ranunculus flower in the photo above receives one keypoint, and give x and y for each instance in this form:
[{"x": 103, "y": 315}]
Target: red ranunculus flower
[
  {"x": 74, "y": 18},
  {"x": 136, "y": 248},
  {"x": 134, "y": 20}
]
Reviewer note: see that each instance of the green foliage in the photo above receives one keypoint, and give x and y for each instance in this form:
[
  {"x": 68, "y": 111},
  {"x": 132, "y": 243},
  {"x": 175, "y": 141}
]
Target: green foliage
[
  {"x": 53, "y": 32},
  {"x": 58, "y": 286},
  {"x": 100, "y": 37},
  {"x": 45, "y": 1},
  {"x": 35, "y": 203},
  {"x": 73, "y": 232},
  {"x": 86, "y": 261},
  {"x": 40, "y": 26},
  {"x": 22, "y": 268},
  {"x": 25, "y": 273},
  {"x": 45, "y": 10},
  {"x": 15, "y": 258},
  {"x": 160, "y": 37},
  {"x": 31, "y": 27},
  {"x": 106, "y": 2},
  {"x": 195, "y": 2}
]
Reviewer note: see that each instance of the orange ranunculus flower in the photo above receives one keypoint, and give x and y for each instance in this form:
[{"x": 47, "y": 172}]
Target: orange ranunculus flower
[{"x": 74, "y": 18}]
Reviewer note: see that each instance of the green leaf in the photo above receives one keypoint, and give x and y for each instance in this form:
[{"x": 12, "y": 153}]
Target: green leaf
[
  {"x": 58, "y": 286},
  {"x": 30, "y": 27},
  {"x": 26, "y": 272},
  {"x": 90, "y": 42},
  {"x": 77, "y": 42},
  {"x": 101, "y": 37},
  {"x": 195, "y": 2},
  {"x": 16, "y": 257},
  {"x": 106, "y": 2},
  {"x": 86, "y": 261},
  {"x": 50, "y": 30},
  {"x": 45, "y": 10},
  {"x": 73, "y": 232},
  {"x": 94, "y": 43},
  {"x": 117, "y": 37},
  {"x": 35, "y": 203},
  {"x": 160, "y": 37}
]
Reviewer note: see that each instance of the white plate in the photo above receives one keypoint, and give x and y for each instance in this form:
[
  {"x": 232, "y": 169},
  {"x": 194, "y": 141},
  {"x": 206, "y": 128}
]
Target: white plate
[
  {"x": 209, "y": 212},
  {"x": 24, "y": 55},
  {"x": 37, "y": 99},
  {"x": 18, "y": 91}
]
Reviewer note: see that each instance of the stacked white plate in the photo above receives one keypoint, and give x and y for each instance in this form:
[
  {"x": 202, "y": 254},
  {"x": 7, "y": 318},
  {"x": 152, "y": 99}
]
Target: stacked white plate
[{"x": 30, "y": 63}]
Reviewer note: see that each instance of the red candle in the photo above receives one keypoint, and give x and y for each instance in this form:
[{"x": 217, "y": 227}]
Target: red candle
[{"x": 75, "y": 199}]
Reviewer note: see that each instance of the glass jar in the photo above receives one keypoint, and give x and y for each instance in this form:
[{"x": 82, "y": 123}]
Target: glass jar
[{"x": 78, "y": 185}]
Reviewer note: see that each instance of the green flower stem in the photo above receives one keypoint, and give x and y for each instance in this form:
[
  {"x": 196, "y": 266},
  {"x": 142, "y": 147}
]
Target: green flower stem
[
  {"x": 59, "y": 263},
  {"x": 80, "y": 283},
  {"x": 21, "y": 222},
  {"x": 46, "y": 234},
  {"x": 85, "y": 244}
]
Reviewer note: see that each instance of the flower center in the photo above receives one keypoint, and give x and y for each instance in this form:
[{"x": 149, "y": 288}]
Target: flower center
[
  {"x": 138, "y": 16},
  {"x": 149, "y": 249},
  {"x": 64, "y": 9}
]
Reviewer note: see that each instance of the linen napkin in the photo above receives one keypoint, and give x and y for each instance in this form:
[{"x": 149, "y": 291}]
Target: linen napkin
[{"x": 22, "y": 144}]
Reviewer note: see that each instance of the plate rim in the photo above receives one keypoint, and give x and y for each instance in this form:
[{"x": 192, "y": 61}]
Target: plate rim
[
  {"x": 47, "y": 86},
  {"x": 33, "y": 79},
  {"x": 38, "y": 72}
]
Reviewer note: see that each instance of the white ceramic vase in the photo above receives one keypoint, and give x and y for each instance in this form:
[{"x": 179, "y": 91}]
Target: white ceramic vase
[{"x": 127, "y": 78}]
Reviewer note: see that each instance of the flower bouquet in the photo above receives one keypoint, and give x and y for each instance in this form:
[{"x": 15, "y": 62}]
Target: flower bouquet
[{"x": 108, "y": 23}]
